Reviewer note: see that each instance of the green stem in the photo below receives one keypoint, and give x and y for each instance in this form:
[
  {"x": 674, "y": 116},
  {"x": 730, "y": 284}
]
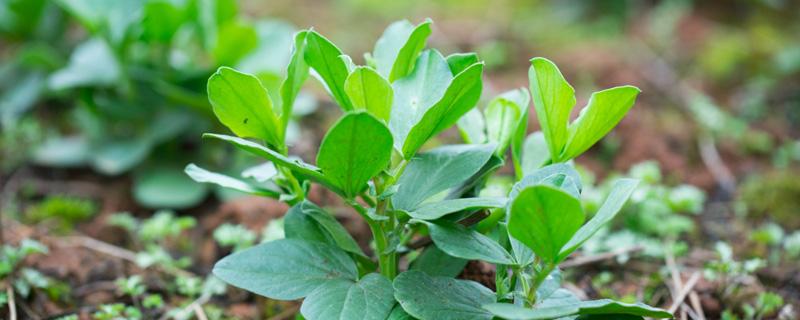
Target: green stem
[{"x": 538, "y": 280}]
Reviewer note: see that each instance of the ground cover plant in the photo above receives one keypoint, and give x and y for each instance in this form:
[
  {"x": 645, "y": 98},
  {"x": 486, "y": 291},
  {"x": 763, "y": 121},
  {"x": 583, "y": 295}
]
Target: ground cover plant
[{"x": 427, "y": 208}]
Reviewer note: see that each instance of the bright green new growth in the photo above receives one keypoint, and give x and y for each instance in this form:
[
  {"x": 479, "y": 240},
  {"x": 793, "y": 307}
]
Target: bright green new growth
[{"x": 403, "y": 97}]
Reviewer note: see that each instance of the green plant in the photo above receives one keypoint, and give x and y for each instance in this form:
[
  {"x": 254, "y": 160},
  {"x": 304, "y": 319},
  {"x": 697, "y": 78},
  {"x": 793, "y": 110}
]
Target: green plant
[
  {"x": 404, "y": 96},
  {"x": 65, "y": 211}
]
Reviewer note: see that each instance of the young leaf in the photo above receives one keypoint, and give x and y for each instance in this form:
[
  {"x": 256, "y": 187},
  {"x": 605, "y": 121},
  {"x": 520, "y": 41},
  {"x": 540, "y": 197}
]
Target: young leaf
[
  {"x": 398, "y": 48},
  {"x": 620, "y": 193},
  {"x": 553, "y": 100},
  {"x": 436, "y": 210},
  {"x": 463, "y": 243},
  {"x": 442, "y": 298},
  {"x": 535, "y": 153},
  {"x": 309, "y": 222},
  {"x": 399, "y": 314},
  {"x": 302, "y": 169},
  {"x": 369, "y": 91},
  {"x": 235, "y": 39},
  {"x": 204, "y": 176},
  {"x": 545, "y": 218},
  {"x": 91, "y": 64},
  {"x": 460, "y": 61},
  {"x": 472, "y": 127},
  {"x": 502, "y": 118},
  {"x": 324, "y": 57},
  {"x": 296, "y": 74},
  {"x": 242, "y": 104},
  {"x": 415, "y": 93},
  {"x": 522, "y": 99},
  {"x": 461, "y": 96},
  {"x": 286, "y": 269},
  {"x": 571, "y": 184},
  {"x": 354, "y": 150},
  {"x": 604, "y": 110},
  {"x": 436, "y": 262},
  {"x": 437, "y": 170},
  {"x": 369, "y": 298}
]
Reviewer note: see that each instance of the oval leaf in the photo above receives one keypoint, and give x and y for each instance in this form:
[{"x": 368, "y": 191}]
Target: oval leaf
[
  {"x": 286, "y": 269},
  {"x": 204, "y": 176},
  {"x": 545, "y": 218},
  {"x": 458, "y": 241},
  {"x": 324, "y": 57},
  {"x": 553, "y": 100},
  {"x": 354, "y": 150},
  {"x": 370, "y": 298},
  {"x": 369, "y": 91},
  {"x": 436, "y": 210},
  {"x": 242, "y": 104},
  {"x": 442, "y": 298},
  {"x": 307, "y": 221}
]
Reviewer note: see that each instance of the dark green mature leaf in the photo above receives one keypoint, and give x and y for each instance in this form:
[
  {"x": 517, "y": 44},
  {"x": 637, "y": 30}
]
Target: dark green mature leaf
[
  {"x": 417, "y": 92},
  {"x": 354, "y": 150},
  {"x": 460, "y": 242},
  {"x": 535, "y": 153},
  {"x": 545, "y": 218},
  {"x": 553, "y": 99},
  {"x": 437, "y": 170},
  {"x": 442, "y": 298},
  {"x": 296, "y": 75},
  {"x": 620, "y": 192},
  {"x": 460, "y": 61},
  {"x": 461, "y": 96},
  {"x": 204, "y": 176},
  {"x": 436, "y": 210},
  {"x": 398, "y": 48},
  {"x": 303, "y": 169},
  {"x": 369, "y": 298},
  {"x": 242, "y": 104},
  {"x": 309, "y": 222},
  {"x": 436, "y": 262},
  {"x": 324, "y": 57},
  {"x": 369, "y": 91},
  {"x": 286, "y": 269},
  {"x": 605, "y": 109}
]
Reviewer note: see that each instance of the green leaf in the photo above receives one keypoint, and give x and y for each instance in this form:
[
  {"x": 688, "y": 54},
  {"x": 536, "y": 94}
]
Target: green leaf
[
  {"x": 354, "y": 150},
  {"x": 161, "y": 20},
  {"x": 620, "y": 192},
  {"x": 460, "y": 242},
  {"x": 595, "y": 307},
  {"x": 369, "y": 91},
  {"x": 296, "y": 75},
  {"x": 302, "y": 169},
  {"x": 545, "y": 218},
  {"x": 165, "y": 186},
  {"x": 70, "y": 151},
  {"x": 370, "y": 298},
  {"x": 417, "y": 92},
  {"x": 436, "y": 210},
  {"x": 286, "y": 269},
  {"x": 570, "y": 179},
  {"x": 535, "y": 153},
  {"x": 502, "y": 117},
  {"x": 437, "y": 170},
  {"x": 398, "y": 48},
  {"x": 472, "y": 127},
  {"x": 553, "y": 100},
  {"x": 399, "y": 314},
  {"x": 603, "y": 112},
  {"x": 324, "y": 57},
  {"x": 309, "y": 222},
  {"x": 235, "y": 39},
  {"x": 242, "y": 104},
  {"x": 522, "y": 99},
  {"x": 514, "y": 312},
  {"x": 204, "y": 176},
  {"x": 436, "y": 262},
  {"x": 461, "y": 96},
  {"x": 113, "y": 157},
  {"x": 91, "y": 64},
  {"x": 442, "y": 298},
  {"x": 460, "y": 61},
  {"x": 607, "y": 306}
]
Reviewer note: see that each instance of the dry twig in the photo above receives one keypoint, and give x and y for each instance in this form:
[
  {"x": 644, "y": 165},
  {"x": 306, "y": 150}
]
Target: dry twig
[{"x": 12, "y": 305}]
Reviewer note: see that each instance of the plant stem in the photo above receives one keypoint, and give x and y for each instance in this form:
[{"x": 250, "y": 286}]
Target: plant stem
[{"x": 538, "y": 280}]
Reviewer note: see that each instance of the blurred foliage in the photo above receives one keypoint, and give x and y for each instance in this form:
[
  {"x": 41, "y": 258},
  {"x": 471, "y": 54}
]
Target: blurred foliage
[{"x": 63, "y": 211}]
